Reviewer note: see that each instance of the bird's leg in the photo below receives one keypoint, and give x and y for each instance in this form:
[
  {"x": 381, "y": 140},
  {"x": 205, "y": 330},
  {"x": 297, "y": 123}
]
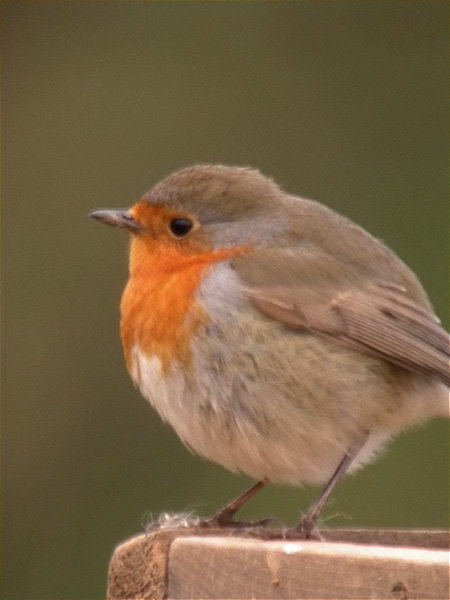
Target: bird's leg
[
  {"x": 224, "y": 518},
  {"x": 307, "y": 526}
]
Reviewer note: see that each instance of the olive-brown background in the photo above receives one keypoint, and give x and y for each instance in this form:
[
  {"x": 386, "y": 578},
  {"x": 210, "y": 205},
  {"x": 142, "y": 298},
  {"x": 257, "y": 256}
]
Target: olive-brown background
[{"x": 345, "y": 102}]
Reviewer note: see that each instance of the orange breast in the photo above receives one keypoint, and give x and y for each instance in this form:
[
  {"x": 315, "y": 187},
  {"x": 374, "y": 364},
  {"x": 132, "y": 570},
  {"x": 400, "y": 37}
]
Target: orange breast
[{"x": 159, "y": 310}]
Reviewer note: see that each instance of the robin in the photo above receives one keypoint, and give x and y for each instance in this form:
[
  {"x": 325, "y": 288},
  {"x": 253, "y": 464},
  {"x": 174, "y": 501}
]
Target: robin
[{"x": 275, "y": 336}]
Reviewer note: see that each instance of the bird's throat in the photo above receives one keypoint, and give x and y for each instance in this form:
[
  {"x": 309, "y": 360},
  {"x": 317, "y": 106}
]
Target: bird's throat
[{"x": 160, "y": 313}]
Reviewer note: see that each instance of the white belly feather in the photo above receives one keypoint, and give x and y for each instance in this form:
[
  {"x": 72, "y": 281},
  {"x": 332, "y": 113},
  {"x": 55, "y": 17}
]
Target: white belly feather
[{"x": 260, "y": 416}]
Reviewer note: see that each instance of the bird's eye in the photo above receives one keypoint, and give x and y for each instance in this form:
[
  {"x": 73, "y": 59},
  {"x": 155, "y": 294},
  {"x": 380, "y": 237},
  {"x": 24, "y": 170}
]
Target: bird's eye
[{"x": 181, "y": 226}]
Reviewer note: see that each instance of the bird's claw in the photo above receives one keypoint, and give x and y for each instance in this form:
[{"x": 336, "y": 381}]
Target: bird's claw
[
  {"x": 305, "y": 530},
  {"x": 224, "y": 520}
]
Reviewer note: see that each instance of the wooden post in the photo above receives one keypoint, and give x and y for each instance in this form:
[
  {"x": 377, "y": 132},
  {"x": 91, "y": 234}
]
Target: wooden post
[{"x": 350, "y": 564}]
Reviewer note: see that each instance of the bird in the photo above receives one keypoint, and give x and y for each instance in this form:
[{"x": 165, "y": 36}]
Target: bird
[{"x": 277, "y": 337}]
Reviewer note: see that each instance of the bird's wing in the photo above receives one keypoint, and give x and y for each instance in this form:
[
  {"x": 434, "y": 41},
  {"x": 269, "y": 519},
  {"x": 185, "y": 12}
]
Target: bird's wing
[{"x": 380, "y": 317}]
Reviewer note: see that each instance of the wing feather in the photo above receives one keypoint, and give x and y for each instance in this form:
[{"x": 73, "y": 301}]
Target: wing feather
[{"x": 381, "y": 318}]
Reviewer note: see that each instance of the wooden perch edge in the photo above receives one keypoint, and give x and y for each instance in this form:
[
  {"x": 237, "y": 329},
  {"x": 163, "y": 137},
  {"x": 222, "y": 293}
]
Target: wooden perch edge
[{"x": 350, "y": 563}]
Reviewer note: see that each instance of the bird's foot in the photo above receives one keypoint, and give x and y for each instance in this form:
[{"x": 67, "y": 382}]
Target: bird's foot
[
  {"x": 305, "y": 530},
  {"x": 224, "y": 520}
]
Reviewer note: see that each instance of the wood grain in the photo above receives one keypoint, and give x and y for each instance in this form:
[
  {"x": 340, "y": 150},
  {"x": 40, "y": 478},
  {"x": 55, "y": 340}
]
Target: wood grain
[
  {"x": 236, "y": 568},
  {"x": 186, "y": 563}
]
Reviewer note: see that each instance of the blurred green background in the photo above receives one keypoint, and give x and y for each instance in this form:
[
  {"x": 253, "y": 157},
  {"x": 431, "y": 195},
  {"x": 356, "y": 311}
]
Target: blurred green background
[{"x": 345, "y": 102}]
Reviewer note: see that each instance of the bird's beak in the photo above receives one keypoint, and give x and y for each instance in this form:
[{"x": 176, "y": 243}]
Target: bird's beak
[{"x": 117, "y": 218}]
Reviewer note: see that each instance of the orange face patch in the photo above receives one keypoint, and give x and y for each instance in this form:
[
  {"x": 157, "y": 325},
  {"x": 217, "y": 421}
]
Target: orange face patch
[{"x": 159, "y": 311}]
